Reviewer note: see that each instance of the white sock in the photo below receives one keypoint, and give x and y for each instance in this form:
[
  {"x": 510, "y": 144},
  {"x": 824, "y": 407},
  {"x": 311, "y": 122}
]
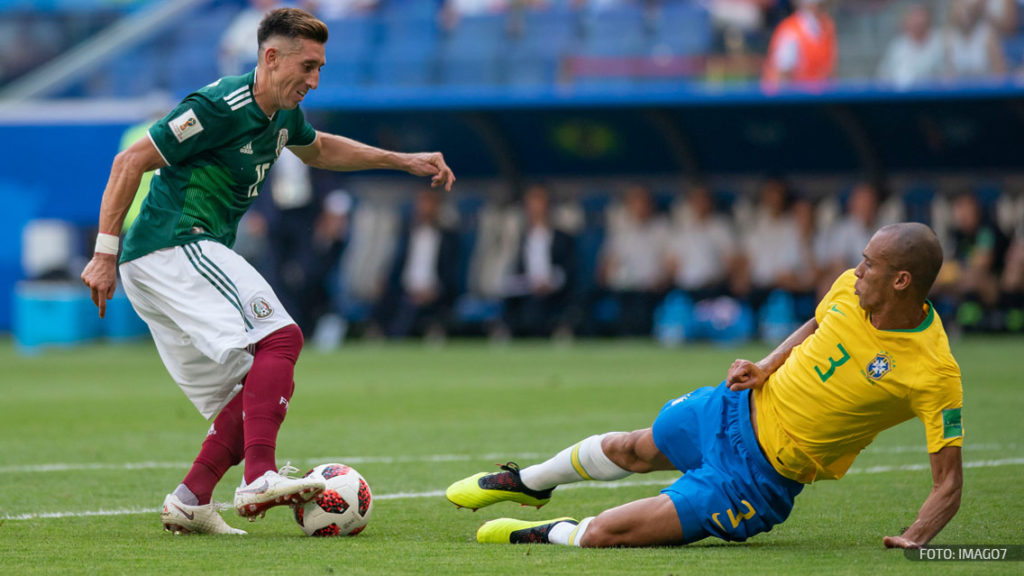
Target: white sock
[
  {"x": 567, "y": 533},
  {"x": 583, "y": 461},
  {"x": 186, "y": 496}
]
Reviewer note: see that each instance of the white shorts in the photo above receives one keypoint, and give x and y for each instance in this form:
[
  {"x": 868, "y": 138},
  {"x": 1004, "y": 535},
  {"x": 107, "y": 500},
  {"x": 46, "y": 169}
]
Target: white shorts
[{"x": 205, "y": 305}]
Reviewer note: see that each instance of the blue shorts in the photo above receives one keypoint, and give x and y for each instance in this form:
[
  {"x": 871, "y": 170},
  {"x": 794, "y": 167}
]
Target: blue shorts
[{"x": 728, "y": 488}]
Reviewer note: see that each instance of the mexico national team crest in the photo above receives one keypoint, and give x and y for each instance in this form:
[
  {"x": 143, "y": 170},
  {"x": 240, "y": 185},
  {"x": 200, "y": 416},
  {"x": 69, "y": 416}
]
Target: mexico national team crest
[
  {"x": 879, "y": 366},
  {"x": 261, "y": 308},
  {"x": 282, "y": 141}
]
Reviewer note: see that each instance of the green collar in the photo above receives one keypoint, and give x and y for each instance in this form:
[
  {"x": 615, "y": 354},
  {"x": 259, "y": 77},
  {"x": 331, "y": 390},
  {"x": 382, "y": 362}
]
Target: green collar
[{"x": 924, "y": 323}]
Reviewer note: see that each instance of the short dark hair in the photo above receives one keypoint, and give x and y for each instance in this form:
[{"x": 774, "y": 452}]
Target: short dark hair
[
  {"x": 916, "y": 249},
  {"x": 291, "y": 23}
]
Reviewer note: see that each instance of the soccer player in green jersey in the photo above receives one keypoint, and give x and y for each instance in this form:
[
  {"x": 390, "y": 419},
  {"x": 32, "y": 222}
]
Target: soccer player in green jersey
[{"x": 218, "y": 326}]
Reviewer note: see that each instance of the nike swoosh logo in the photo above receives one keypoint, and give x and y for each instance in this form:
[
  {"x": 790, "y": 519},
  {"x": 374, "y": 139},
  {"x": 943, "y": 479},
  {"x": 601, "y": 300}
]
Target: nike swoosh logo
[
  {"x": 837, "y": 310},
  {"x": 189, "y": 515},
  {"x": 259, "y": 490}
]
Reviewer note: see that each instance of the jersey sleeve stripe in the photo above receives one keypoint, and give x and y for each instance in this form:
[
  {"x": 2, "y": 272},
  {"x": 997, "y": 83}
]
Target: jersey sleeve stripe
[
  {"x": 158, "y": 151},
  {"x": 240, "y": 104},
  {"x": 236, "y": 92}
]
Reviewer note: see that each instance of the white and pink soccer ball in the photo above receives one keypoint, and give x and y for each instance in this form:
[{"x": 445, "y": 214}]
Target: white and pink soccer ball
[{"x": 342, "y": 509}]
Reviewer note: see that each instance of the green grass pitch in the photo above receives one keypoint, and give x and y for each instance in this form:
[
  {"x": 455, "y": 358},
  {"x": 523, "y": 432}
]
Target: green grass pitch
[{"x": 97, "y": 429}]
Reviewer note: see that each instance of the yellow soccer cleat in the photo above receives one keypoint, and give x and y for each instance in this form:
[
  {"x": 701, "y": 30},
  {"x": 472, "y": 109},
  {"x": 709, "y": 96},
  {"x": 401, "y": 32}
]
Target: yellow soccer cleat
[
  {"x": 511, "y": 531},
  {"x": 484, "y": 489}
]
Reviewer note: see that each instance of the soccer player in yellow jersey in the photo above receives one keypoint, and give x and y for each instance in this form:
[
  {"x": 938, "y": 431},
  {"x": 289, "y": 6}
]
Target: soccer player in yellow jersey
[{"x": 874, "y": 355}]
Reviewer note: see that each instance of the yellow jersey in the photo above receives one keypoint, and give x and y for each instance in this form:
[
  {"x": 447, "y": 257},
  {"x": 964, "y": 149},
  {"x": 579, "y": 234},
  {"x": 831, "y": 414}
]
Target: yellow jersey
[{"x": 848, "y": 381}]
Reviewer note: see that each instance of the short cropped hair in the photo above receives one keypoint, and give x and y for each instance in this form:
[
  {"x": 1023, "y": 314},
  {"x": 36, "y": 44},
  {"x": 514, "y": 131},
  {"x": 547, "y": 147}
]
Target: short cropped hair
[
  {"x": 291, "y": 23},
  {"x": 917, "y": 250}
]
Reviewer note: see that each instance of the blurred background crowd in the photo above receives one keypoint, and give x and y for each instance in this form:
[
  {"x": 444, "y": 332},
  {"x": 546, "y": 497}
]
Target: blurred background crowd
[
  {"x": 523, "y": 43},
  {"x": 726, "y": 255}
]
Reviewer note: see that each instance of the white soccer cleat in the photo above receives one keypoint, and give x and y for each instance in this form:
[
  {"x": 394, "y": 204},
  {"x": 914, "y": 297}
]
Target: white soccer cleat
[
  {"x": 181, "y": 518},
  {"x": 275, "y": 489}
]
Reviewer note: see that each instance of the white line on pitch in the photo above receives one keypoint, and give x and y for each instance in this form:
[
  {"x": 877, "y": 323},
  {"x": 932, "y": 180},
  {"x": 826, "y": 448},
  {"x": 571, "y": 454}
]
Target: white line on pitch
[
  {"x": 69, "y": 466},
  {"x": 588, "y": 485},
  {"x": 353, "y": 460}
]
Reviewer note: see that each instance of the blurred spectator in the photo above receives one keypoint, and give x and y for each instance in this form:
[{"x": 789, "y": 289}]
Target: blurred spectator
[
  {"x": 808, "y": 269},
  {"x": 237, "y": 45},
  {"x": 702, "y": 250},
  {"x": 1012, "y": 284},
  {"x": 740, "y": 37},
  {"x": 803, "y": 48},
  {"x": 424, "y": 276},
  {"x": 915, "y": 56},
  {"x": 337, "y": 9},
  {"x": 969, "y": 279},
  {"x": 278, "y": 235},
  {"x": 842, "y": 246},
  {"x": 772, "y": 247},
  {"x": 452, "y": 11},
  {"x": 972, "y": 46},
  {"x": 319, "y": 303},
  {"x": 1003, "y": 15},
  {"x": 631, "y": 267},
  {"x": 539, "y": 289}
]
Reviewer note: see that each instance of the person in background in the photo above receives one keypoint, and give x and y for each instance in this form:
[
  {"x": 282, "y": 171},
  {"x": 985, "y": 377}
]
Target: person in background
[
  {"x": 972, "y": 46},
  {"x": 840, "y": 248},
  {"x": 338, "y": 9},
  {"x": 969, "y": 280},
  {"x": 702, "y": 250},
  {"x": 423, "y": 283},
  {"x": 1003, "y": 15},
  {"x": 803, "y": 48},
  {"x": 915, "y": 56},
  {"x": 330, "y": 234},
  {"x": 631, "y": 265},
  {"x": 808, "y": 270},
  {"x": 541, "y": 284},
  {"x": 236, "y": 53},
  {"x": 772, "y": 248},
  {"x": 1012, "y": 283}
]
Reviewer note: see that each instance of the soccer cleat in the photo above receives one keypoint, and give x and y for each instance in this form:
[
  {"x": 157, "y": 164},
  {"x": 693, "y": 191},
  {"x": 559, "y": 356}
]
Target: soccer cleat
[
  {"x": 511, "y": 531},
  {"x": 275, "y": 489},
  {"x": 181, "y": 518},
  {"x": 485, "y": 489}
]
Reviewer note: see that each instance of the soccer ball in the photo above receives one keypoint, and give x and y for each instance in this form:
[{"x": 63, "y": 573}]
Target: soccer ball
[{"x": 342, "y": 509}]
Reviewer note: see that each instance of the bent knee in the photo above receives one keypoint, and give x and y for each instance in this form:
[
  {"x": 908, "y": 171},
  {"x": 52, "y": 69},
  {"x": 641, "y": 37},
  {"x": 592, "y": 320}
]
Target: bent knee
[
  {"x": 286, "y": 342},
  {"x": 634, "y": 451}
]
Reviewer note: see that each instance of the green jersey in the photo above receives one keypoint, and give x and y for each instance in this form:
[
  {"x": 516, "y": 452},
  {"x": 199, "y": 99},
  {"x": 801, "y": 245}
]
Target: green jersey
[{"x": 218, "y": 145}]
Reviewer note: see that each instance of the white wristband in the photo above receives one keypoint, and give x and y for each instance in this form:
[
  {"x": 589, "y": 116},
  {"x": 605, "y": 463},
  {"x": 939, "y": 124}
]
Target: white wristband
[{"x": 107, "y": 243}]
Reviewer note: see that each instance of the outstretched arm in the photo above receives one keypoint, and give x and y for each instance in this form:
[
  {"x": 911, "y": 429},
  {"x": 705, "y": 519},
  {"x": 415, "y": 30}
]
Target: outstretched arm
[
  {"x": 100, "y": 275},
  {"x": 941, "y": 505},
  {"x": 333, "y": 152},
  {"x": 745, "y": 374}
]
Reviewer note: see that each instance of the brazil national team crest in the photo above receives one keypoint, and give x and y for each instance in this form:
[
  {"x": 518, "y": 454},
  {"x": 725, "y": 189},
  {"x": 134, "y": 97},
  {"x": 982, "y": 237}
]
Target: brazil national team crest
[
  {"x": 879, "y": 366},
  {"x": 261, "y": 308}
]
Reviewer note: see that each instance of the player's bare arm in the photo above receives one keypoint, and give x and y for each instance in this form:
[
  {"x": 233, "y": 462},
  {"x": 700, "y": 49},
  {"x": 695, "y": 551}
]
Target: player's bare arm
[
  {"x": 744, "y": 374},
  {"x": 942, "y": 503},
  {"x": 100, "y": 275},
  {"x": 333, "y": 152}
]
